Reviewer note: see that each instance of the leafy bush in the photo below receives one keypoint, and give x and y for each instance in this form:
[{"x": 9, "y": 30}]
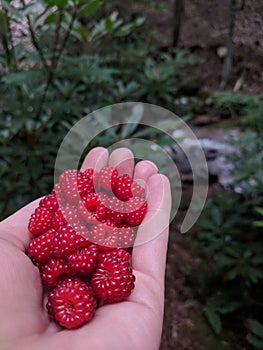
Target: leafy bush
[
  {"x": 73, "y": 57},
  {"x": 249, "y": 108},
  {"x": 45, "y": 83},
  {"x": 248, "y": 170},
  {"x": 233, "y": 270},
  {"x": 255, "y": 337},
  {"x": 229, "y": 233}
]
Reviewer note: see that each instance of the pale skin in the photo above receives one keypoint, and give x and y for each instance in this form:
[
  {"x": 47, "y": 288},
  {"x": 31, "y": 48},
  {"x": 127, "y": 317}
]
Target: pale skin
[{"x": 132, "y": 324}]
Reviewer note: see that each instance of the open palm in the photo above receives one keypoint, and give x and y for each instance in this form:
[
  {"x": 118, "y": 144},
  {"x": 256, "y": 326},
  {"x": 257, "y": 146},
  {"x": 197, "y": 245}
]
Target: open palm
[{"x": 132, "y": 324}]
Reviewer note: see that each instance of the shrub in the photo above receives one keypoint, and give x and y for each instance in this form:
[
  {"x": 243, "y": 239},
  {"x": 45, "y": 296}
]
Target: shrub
[
  {"x": 249, "y": 108},
  {"x": 229, "y": 235},
  {"x": 74, "y": 58}
]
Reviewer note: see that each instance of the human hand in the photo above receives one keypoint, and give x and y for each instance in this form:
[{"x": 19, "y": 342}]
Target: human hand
[{"x": 135, "y": 323}]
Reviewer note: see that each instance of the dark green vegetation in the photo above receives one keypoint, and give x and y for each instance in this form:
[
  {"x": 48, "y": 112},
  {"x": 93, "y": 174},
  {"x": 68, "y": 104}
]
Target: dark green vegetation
[
  {"x": 61, "y": 60},
  {"x": 60, "y": 71},
  {"x": 229, "y": 233}
]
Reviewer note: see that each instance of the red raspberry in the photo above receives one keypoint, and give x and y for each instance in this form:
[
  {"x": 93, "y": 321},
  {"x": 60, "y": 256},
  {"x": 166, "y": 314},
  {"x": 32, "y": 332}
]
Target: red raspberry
[
  {"x": 108, "y": 222},
  {"x": 91, "y": 174},
  {"x": 41, "y": 248},
  {"x": 66, "y": 240},
  {"x": 106, "y": 178},
  {"x": 113, "y": 279},
  {"x": 75, "y": 184},
  {"x": 40, "y": 221},
  {"x": 91, "y": 208},
  {"x": 126, "y": 236},
  {"x": 72, "y": 303},
  {"x": 67, "y": 215},
  {"x": 103, "y": 197},
  {"x": 53, "y": 269},
  {"x": 123, "y": 187},
  {"x": 71, "y": 215},
  {"x": 105, "y": 236},
  {"x": 50, "y": 203},
  {"x": 60, "y": 195},
  {"x": 84, "y": 260},
  {"x": 82, "y": 230},
  {"x": 115, "y": 253},
  {"x": 115, "y": 210},
  {"x": 59, "y": 220},
  {"x": 135, "y": 210}
]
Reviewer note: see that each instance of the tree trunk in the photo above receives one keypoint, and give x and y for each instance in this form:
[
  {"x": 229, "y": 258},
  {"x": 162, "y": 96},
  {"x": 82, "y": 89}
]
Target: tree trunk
[
  {"x": 178, "y": 11},
  {"x": 227, "y": 67}
]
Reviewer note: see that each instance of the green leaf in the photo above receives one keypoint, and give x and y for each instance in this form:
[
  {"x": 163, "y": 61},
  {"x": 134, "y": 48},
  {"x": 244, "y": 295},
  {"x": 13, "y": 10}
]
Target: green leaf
[
  {"x": 27, "y": 9},
  {"x": 229, "y": 307},
  {"x": 168, "y": 124},
  {"x": 258, "y": 344},
  {"x": 108, "y": 24},
  {"x": 146, "y": 132},
  {"x": 258, "y": 223},
  {"x": 103, "y": 119},
  {"x": 78, "y": 2},
  {"x": 79, "y": 31},
  {"x": 213, "y": 318},
  {"x": 52, "y": 18},
  {"x": 127, "y": 28},
  {"x": 256, "y": 327},
  {"x": 259, "y": 210},
  {"x": 20, "y": 77},
  {"x": 254, "y": 274},
  {"x": 61, "y": 4},
  {"x": 89, "y": 8},
  {"x": 132, "y": 121},
  {"x": 217, "y": 216},
  {"x": 36, "y": 16}
]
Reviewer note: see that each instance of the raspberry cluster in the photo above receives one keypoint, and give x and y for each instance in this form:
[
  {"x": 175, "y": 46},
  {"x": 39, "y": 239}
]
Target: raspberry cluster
[{"x": 82, "y": 235}]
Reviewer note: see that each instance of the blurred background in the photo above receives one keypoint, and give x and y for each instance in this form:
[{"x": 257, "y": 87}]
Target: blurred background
[{"x": 61, "y": 59}]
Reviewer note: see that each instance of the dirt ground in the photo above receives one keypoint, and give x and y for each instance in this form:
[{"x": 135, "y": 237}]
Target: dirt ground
[{"x": 178, "y": 329}]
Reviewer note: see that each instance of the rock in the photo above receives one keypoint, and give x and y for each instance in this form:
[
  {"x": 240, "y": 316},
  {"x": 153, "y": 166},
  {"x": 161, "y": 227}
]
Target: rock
[
  {"x": 217, "y": 152},
  {"x": 221, "y": 51}
]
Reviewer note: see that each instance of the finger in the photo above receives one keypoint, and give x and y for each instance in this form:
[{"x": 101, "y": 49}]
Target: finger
[
  {"x": 96, "y": 159},
  {"x": 14, "y": 229},
  {"x": 123, "y": 160},
  {"x": 150, "y": 257},
  {"x": 143, "y": 170}
]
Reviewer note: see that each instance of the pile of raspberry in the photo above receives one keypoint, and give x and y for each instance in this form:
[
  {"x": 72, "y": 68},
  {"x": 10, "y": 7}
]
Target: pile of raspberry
[{"x": 82, "y": 237}]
